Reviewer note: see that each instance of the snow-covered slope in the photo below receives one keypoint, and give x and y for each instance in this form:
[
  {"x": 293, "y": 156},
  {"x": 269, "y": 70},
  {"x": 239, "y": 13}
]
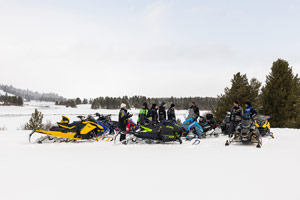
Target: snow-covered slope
[{"x": 4, "y": 93}]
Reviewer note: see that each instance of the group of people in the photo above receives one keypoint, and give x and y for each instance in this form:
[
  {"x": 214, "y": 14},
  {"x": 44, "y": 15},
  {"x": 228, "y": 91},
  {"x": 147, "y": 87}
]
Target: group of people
[
  {"x": 237, "y": 112},
  {"x": 155, "y": 115}
]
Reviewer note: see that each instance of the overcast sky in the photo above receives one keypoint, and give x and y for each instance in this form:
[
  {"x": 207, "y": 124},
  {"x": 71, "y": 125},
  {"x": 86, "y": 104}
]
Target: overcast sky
[{"x": 94, "y": 48}]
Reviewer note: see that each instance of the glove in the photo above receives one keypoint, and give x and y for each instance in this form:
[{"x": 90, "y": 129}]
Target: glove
[{"x": 129, "y": 115}]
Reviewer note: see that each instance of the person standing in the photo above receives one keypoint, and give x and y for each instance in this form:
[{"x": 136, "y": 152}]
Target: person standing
[
  {"x": 162, "y": 112},
  {"x": 195, "y": 109},
  {"x": 171, "y": 113},
  {"x": 235, "y": 117},
  {"x": 144, "y": 115},
  {"x": 153, "y": 113},
  {"x": 249, "y": 110},
  {"x": 123, "y": 120}
]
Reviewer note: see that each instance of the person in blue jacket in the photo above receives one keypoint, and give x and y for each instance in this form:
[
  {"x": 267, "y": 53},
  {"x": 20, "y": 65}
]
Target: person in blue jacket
[{"x": 249, "y": 110}]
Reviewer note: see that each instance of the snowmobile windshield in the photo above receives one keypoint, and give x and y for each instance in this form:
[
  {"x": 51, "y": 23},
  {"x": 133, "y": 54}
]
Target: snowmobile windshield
[
  {"x": 246, "y": 123},
  {"x": 92, "y": 119},
  {"x": 261, "y": 120},
  {"x": 191, "y": 114}
]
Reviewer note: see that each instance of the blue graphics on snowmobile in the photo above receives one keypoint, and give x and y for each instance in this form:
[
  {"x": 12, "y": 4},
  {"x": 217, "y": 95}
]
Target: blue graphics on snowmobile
[{"x": 190, "y": 124}]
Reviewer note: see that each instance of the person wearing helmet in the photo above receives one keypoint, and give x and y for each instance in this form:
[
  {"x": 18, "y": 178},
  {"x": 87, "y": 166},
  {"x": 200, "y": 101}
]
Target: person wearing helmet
[
  {"x": 171, "y": 113},
  {"x": 144, "y": 115},
  {"x": 162, "y": 112}
]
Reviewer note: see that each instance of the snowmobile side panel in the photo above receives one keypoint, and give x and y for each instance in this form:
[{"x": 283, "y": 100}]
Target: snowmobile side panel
[{"x": 59, "y": 134}]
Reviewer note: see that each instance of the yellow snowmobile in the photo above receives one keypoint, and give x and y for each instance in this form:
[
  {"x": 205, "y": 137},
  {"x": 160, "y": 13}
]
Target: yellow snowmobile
[
  {"x": 85, "y": 129},
  {"x": 263, "y": 125}
]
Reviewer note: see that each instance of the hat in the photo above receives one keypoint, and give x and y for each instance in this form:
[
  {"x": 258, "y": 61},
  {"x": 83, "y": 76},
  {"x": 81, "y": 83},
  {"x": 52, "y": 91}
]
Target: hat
[
  {"x": 236, "y": 102},
  {"x": 123, "y": 105},
  {"x": 163, "y": 103},
  {"x": 248, "y": 103},
  {"x": 172, "y": 105},
  {"x": 154, "y": 105}
]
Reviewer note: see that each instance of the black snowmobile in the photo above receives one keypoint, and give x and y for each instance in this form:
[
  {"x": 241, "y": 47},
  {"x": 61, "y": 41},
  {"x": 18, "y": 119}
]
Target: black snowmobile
[
  {"x": 209, "y": 125},
  {"x": 167, "y": 131},
  {"x": 246, "y": 132}
]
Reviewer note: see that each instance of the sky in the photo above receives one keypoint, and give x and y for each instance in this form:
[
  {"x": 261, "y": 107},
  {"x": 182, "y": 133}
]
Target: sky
[{"x": 159, "y": 48}]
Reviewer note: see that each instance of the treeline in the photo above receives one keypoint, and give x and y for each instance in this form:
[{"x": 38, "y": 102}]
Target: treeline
[
  {"x": 72, "y": 102},
  {"x": 29, "y": 95},
  {"x": 204, "y": 103},
  {"x": 279, "y": 98},
  {"x": 11, "y": 100}
]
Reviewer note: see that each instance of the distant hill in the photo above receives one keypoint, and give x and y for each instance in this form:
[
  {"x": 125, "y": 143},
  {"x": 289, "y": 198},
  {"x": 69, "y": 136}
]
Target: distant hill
[{"x": 31, "y": 95}]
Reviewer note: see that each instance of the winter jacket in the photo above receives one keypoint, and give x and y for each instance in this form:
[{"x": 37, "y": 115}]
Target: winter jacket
[
  {"x": 236, "y": 114},
  {"x": 144, "y": 116},
  {"x": 171, "y": 114},
  {"x": 250, "y": 111},
  {"x": 154, "y": 115},
  {"x": 123, "y": 119},
  {"x": 162, "y": 113},
  {"x": 196, "y": 110}
]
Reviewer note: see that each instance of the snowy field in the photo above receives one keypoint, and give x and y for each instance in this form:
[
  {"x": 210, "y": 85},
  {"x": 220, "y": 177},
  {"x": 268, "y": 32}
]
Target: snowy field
[{"x": 106, "y": 171}]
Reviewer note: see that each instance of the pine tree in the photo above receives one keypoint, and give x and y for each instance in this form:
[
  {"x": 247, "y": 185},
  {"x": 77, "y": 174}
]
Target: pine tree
[
  {"x": 280, "y": 96},
  {"x": 20, "y": 101},
  {"x": 35, "y": 122},
  {"x": 241, "y": 90},
  {"x": 85, "y": 101},
  {"x": 78, "y": 101},
  {"x": 71, "y": 103}
]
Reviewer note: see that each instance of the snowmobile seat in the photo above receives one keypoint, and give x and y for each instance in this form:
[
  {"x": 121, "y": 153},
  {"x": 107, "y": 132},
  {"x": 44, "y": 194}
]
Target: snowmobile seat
[
  {"x": 209, "y": 116},
  {"x": 59, "y": 129},
  {"x": 68, "y": 126}
]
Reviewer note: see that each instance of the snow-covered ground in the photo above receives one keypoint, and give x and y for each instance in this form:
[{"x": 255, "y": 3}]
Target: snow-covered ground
[{"x": 106, "y": 171}]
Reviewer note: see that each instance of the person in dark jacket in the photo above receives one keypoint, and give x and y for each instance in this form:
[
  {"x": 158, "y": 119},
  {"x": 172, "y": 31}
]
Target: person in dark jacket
[
  {"x": 195, "y": 109},
  {"x": 171, "y": 113},
  {"x": 153, "y": 113},
  {"x": 235, "y": 117},
  {"x": 249, "y": 110},
  {"x": 123, "y": 120},
  {"x": 251, "y": 113},
  {"x": 162, "y": 112},
  {"x": 144, "y": 115}
]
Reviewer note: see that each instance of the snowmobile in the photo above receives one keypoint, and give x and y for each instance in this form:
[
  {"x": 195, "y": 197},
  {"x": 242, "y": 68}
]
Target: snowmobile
[
  {"x": 209, "y": 126},
  {"x": 246, "y": 132},
  {"x": 226, "y": 123},
  {"x": 206, "y": 127},
  {"x": 166, "y": 131},
  {"x": 264, "y": 126},
  {"x": 85, "y": 129},
  {"x": 193, "y": 130},
  {"x": 109, "y": 127}
]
